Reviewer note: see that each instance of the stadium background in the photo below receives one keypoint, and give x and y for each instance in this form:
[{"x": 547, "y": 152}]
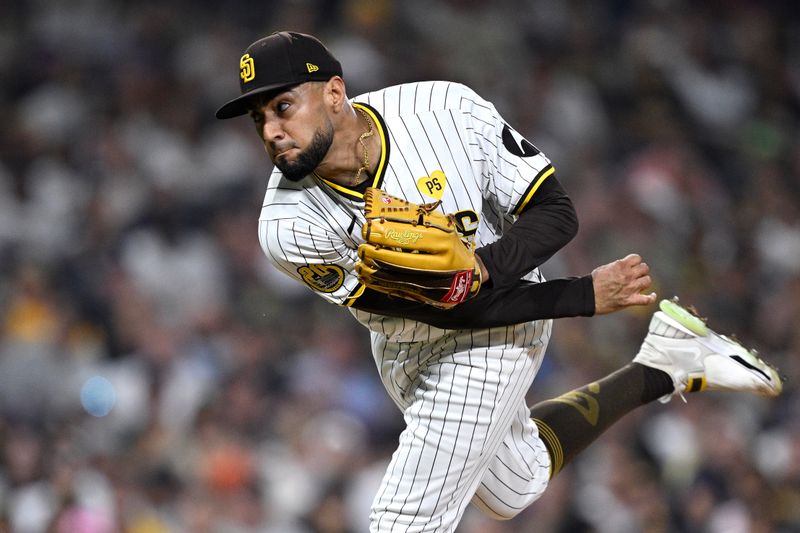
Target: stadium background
[{"x": 243, "y": 403}]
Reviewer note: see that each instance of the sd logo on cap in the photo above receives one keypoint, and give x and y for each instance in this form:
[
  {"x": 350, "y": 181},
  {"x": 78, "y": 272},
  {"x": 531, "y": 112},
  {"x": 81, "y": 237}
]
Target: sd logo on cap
[{"x": 279, "y": 60}]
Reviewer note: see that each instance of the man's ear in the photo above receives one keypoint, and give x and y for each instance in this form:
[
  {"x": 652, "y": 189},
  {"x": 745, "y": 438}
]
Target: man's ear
[{"x": 335, "y": 94}]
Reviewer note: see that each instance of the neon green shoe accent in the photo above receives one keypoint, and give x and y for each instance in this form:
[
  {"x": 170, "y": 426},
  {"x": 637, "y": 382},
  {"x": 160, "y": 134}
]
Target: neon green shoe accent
[{"x": 684, "y": 317}]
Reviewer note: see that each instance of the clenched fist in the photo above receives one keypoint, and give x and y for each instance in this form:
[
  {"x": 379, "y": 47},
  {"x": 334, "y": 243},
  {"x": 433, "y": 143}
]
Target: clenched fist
[{"x": 619, "y": 284}]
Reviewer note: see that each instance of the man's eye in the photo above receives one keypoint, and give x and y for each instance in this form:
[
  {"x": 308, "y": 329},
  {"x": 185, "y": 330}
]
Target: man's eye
[{"x": 281, "y": 107}]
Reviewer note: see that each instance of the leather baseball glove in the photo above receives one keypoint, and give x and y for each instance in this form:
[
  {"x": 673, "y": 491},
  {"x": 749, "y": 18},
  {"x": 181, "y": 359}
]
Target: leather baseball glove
[{"x": 414, "y": 252}]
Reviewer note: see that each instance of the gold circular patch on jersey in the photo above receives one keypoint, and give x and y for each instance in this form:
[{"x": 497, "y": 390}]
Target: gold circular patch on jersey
[{"x": 322, "y": 278}]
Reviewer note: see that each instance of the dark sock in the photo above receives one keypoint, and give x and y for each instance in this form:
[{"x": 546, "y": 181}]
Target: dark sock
[{"x": 569, "y": 423}]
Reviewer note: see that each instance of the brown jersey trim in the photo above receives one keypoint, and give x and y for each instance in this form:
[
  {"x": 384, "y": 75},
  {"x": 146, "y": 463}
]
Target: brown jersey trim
[
  {"x": 357, "y": 193},
  {"x": 546, "y": 172}
]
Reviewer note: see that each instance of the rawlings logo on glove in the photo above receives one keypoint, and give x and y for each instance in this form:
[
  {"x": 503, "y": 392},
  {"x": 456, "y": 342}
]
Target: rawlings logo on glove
[
  {"x": 458, "y": 292},
  {"x": 414, "y": 252},
  {"x": 406, "y": 237}
]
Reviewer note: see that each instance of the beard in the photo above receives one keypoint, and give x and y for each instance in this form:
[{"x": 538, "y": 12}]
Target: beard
[{"x": 310, "y": 158}]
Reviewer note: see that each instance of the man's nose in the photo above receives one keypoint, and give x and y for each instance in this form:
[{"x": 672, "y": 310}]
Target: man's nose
[{"x": 272, "y": 131}]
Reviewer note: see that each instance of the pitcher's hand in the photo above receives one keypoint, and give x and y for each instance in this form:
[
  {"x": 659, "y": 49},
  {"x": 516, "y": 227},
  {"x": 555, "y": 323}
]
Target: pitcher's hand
[{"x": 619, "y": 284}]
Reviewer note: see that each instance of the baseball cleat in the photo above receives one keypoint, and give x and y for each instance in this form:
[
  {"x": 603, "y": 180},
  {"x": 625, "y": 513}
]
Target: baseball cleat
[{"x": 697, "y": 358}]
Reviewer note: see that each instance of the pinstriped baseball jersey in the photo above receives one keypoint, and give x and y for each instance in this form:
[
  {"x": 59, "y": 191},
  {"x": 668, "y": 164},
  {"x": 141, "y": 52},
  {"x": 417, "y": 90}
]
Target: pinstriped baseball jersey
[
  {"x": 440, "y": 141},
  {"x": 468, "y": 436}
]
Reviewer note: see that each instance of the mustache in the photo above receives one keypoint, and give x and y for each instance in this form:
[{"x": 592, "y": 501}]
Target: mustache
[{"x": 277, "y": 148}]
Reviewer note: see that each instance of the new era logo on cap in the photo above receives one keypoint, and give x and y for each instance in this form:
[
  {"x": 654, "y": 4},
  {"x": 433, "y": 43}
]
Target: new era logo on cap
[{"x": 279, "y": 61}]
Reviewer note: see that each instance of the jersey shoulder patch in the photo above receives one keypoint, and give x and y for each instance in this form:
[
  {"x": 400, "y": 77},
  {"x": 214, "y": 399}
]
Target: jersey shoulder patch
[
  {"x": 322, "y": 278},
  {"x": 517, "y": 144}
]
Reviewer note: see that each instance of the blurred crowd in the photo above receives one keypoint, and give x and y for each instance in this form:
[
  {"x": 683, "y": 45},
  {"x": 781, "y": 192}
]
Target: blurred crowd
[{"x": 236, "y": 401}]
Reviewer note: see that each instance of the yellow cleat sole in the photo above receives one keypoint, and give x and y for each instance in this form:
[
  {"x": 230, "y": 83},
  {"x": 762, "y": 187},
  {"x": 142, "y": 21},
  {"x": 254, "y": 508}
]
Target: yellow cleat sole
[{"x": 684, "y": 317}]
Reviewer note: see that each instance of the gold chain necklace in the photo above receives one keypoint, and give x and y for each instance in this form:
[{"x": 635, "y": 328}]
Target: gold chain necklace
[{"x": 365, "y": 135}]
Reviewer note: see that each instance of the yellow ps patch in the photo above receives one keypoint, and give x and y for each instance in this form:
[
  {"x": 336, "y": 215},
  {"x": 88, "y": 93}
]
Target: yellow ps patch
[
  {"x": 322, "y": 278},
  {"x": 433, "y": 185},
  {"x": 312, "y": 67},
  {"x": 247, "y": 69}
]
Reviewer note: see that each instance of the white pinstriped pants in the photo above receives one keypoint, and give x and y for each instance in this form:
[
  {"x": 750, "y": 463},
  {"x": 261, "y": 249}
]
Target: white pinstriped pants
[{"x": 469, "y": 435}]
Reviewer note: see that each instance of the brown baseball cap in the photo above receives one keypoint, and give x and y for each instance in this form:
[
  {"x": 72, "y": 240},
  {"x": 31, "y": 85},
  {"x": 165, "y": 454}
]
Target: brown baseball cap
[{"x": 282, "y": 59}]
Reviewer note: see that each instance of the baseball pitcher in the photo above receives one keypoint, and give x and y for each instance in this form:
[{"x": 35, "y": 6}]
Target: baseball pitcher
[{"x": 425, "y": 213}]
